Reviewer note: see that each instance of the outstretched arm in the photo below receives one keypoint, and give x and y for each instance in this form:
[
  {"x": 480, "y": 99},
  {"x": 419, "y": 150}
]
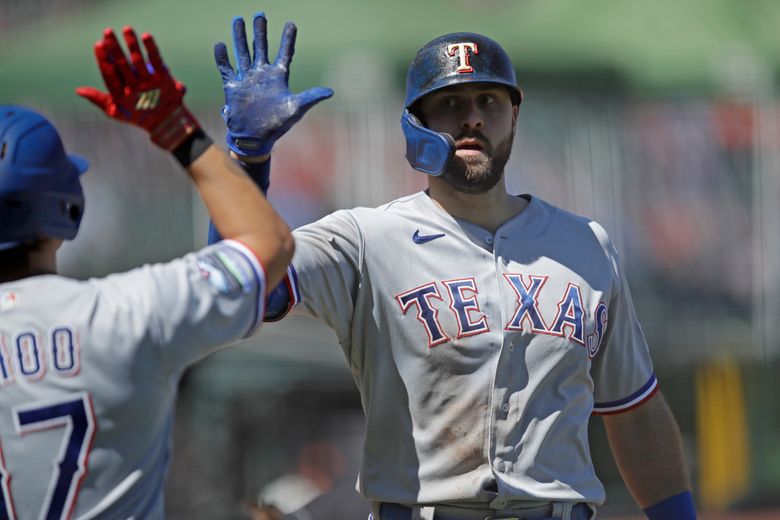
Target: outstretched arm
[
  {"x": 146, "y": 95},
  {"x": 239, "y": 211},
  {"x": 259, "y": 107},
  {"x": 647, "y": 447}
]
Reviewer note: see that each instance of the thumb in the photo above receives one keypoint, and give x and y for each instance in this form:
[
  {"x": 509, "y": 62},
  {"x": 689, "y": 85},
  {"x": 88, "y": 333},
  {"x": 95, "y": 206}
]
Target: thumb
[
  {"x": 96, "y": 97},
  {"x": 311, "y": 97}
]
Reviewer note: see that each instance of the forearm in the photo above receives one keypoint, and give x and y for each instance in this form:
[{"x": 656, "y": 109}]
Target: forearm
[
  {"x": 239, "y": 211},
  {"x": 647, "y": 447},
  {"x": 259, "y": 170}
]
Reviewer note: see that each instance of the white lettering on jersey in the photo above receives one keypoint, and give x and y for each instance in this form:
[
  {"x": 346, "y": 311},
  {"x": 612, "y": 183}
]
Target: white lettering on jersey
[
  {"x": 462, "y": 306},
  {"x": 64, "y": 351},
  {"x": 426, "y": 313},
  {"x": 76, "y": 415},
  {"x": 570, "y": 315},
  {"x": 29, "y": 357},
  {"x": 527, "y": 303},
  {"x": 600, "y": 317},
  {"x": 569, "y": 321}
]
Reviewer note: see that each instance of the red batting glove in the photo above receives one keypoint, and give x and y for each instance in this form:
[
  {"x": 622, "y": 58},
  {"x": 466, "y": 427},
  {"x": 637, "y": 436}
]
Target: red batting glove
[{"x": 141, "y": 94}]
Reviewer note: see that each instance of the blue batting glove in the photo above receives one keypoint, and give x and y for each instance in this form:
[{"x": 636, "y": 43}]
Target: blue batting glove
[{"x": 259, "y": 107}]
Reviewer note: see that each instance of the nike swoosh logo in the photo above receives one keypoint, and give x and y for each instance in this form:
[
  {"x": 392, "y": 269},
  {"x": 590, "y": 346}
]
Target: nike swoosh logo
[{"x": 421, "y": 239}]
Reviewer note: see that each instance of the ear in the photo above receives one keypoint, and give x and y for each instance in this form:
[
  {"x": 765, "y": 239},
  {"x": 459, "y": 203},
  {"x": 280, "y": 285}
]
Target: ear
[{"x": 515, "y": 113}]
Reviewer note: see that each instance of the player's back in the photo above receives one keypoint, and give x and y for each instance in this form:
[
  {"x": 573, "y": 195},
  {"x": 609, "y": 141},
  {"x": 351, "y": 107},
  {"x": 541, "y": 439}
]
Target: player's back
[
  {"x": 80, "y": 387},
  {"x": 88, "y": 379}
]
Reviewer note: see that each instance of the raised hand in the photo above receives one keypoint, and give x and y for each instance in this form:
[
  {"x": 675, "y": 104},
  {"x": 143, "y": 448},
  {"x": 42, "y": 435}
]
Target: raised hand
[
  {"x": 141, "y": 93},
  {"x": 259, "y": 107}
]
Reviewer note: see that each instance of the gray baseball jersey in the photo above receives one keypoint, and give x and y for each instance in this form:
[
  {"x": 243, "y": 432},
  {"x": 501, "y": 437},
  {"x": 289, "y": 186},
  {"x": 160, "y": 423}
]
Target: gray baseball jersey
[
  {"x": 480, "y": 357},
  {"x": 89, "y": 372}
]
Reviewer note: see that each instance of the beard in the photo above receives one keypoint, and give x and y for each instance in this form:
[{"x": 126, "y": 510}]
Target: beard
[{"x": 476, "y": 174}]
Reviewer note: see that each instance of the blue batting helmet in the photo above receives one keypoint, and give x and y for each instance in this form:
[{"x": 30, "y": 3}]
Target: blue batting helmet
[
  {"x": 40, "y": 192},
  {"x": 449, "y": 60}
]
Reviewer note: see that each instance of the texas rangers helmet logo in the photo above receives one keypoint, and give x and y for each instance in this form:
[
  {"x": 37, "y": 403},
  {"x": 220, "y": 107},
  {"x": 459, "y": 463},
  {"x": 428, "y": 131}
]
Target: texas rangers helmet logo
[{"x": 463, "y": 51}]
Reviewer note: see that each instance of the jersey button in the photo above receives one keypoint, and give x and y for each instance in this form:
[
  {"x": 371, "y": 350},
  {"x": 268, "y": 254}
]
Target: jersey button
[
  {"x": 511, "y": 347},
  {"x": 505, "y": 407},
  {"x": 489, "y": 239}
]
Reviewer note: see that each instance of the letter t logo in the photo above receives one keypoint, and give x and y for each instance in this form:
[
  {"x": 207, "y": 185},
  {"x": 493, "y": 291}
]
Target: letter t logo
[{"x": 462, "y": 51}]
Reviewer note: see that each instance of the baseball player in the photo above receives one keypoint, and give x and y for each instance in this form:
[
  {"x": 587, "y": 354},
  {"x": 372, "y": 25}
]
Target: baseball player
[
  {"x": 483, "y": 329},
  {"x": 89, "y": 369}
]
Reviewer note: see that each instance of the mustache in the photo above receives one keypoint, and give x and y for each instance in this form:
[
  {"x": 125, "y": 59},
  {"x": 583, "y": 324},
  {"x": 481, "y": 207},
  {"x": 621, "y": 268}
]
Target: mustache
[{"x": 473, "y": 134}]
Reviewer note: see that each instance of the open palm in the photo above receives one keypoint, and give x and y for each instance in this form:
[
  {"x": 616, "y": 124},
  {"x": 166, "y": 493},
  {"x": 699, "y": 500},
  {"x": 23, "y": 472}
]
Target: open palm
[{"x": 259, "y": 107}]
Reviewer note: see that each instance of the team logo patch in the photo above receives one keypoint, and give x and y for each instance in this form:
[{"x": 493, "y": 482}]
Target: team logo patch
[
  {"x": 421, "y": 239},
  {"x": 463, "y": 51},
  {"x": 148, "y": 100},
  {"x": 8, "y": 300},
  {"x": 226, "y": 270}
]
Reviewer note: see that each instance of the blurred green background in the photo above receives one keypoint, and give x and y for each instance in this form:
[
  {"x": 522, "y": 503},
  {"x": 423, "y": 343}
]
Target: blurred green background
[
  {"x": 650, "y": 47},
  {"x": 660, "y": 120}
]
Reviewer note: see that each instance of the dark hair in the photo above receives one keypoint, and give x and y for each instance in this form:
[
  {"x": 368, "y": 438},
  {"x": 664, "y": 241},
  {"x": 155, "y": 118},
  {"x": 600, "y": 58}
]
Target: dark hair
[{"x": 15, "y": 262}]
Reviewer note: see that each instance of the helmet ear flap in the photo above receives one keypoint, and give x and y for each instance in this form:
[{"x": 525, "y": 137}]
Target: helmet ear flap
[{"x": 426, "y": 150}]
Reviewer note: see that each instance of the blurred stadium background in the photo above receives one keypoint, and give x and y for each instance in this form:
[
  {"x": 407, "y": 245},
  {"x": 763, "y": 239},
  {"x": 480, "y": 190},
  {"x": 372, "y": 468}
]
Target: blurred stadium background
[{"x": 659, "y": 119}]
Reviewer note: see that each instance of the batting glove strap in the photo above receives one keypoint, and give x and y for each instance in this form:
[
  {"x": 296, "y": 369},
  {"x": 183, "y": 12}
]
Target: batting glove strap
[
  {"x": 247, "y": 145},
  {"x": 174, "y": 129},
  {"x": 192, "y": 147},
  {"x": 677, "y": 507}
]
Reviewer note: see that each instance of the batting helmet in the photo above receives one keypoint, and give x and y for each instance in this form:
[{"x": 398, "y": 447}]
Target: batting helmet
[
  {"x": 40, "y": 192},
  {"x": 449, "y": 60}
]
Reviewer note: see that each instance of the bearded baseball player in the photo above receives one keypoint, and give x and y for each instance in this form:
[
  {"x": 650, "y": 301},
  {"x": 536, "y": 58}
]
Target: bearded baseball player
[
  {"x": 483, "y": 329},
  {"x": 89, "y": 369}
]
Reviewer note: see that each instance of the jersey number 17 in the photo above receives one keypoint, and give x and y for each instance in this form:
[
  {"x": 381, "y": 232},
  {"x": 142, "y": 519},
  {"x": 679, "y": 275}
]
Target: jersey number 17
[{"x": 76, "y": 415}]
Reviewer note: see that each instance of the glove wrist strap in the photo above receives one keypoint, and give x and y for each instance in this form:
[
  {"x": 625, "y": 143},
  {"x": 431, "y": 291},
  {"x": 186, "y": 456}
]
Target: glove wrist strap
[
  {"x": 248, "y": 146},
  {"x": 174, "y": 129},
  {"x": 192, "y": 147}
]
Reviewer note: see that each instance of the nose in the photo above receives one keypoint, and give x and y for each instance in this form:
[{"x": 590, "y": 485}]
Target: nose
[{"x": 473, "y": 118}]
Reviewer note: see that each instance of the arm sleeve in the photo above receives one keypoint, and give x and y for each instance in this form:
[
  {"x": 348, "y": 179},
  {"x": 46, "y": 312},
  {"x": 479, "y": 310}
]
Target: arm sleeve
[
  {"x": 260, "y": 173},
  {"x": 190, "y": 307},
  {"x": 325, "y": 274},
  {"x": 622, "y": 370}
]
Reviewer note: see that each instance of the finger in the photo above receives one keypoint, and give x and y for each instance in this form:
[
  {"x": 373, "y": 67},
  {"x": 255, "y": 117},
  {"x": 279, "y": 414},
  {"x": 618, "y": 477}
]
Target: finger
[
  {"x": 287, "y": 47},
  {"x": 155, "y": 60},
  {"x": 223, "y": 62},
  {"x": 117, "y": 56},
  {"x": 107, "y": 69},
  {"x": 243, "y": 61},
  {"x": 260, "y": 25},
  {"x": 136, "y": 56},
  {"x": 94, "y": 96},
  {"x": 311, "y": 97}
]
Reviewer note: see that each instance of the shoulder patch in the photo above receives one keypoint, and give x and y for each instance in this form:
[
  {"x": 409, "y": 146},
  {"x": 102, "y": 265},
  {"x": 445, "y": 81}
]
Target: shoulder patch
[{"x": 227, "y": 270}]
